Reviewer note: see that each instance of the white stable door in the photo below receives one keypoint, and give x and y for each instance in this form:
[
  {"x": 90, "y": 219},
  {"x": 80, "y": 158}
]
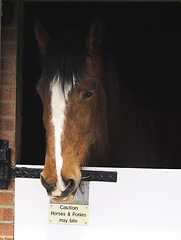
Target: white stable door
[{"x": 144, "y": 204}]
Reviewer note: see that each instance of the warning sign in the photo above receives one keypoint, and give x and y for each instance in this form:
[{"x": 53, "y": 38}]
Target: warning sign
[
  {"x": 68, "y": 214},
  {"x": 72, "y": 213}
]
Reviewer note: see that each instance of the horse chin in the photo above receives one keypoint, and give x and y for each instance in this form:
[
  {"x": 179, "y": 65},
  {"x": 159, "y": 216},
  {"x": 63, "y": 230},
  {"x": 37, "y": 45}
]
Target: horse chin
[
  {"x": 62, "y": 197},
  {"x": 68, "y": 199}
]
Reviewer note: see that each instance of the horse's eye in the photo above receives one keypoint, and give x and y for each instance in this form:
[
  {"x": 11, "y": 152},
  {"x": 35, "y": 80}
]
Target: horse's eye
[{"x": 87, "y": 95}]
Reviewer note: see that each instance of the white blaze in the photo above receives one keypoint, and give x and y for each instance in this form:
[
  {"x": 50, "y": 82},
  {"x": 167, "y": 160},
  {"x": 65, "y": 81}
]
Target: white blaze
[{"x": 58, "y": 106}]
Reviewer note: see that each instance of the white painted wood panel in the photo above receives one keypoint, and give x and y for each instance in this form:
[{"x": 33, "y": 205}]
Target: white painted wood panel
[{"x": 143, "y": 204}]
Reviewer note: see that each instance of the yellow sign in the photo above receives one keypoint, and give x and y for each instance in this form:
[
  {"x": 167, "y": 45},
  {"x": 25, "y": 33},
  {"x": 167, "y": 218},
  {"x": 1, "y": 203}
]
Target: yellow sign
[{"x": 68, "y": 214}]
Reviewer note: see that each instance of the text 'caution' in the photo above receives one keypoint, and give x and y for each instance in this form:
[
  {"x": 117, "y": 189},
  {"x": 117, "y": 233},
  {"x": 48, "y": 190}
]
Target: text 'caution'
[{"x": 68, "y": 214}]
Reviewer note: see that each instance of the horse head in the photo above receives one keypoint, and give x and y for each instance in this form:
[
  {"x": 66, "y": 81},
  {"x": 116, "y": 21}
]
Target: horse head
[{"x": 73, "y": 94}]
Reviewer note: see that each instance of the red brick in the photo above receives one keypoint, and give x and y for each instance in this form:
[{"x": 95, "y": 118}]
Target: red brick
[
  {"x": 8, "y": 93},
  {"x": 1, "y": 214},
  {"x": 11, "y": 185},
  {"x": 7, "y": 229},
  {"x": 8, "y": 50},
  {"x": 7, "y": 124},
  {"x": 6, "y": 198},
  {"x": 7, "y": 109},
  {"x": 6, "y": 214},
  {"x": 10, "y": 136},
  {"x": 4, "y": 238},
  {"x": 8, "y": 64},
  {"x": 8, "y": 78}
]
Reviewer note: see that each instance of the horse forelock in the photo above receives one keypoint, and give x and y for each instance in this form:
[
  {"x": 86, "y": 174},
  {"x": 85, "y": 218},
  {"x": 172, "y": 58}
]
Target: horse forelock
[{"x": 64, "y": 60}]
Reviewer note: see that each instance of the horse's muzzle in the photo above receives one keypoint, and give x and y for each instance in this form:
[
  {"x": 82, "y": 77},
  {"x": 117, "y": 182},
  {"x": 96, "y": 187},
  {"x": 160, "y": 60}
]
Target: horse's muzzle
[{"x": 57, "y": 194}]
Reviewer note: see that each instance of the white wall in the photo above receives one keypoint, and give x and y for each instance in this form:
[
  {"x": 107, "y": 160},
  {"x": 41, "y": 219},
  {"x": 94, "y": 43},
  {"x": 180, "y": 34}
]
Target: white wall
[{"x": 143, "y": 204}]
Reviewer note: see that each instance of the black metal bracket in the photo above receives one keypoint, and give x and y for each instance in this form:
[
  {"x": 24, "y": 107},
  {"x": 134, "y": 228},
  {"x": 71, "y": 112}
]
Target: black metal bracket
[
  {"x": 87, "y": 175},
  {"x": 4, "y": 164}
]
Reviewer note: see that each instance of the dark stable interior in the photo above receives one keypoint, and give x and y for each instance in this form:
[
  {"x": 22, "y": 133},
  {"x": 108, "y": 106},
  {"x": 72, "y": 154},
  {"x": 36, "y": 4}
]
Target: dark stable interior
[{"x": 146, "y": 41}]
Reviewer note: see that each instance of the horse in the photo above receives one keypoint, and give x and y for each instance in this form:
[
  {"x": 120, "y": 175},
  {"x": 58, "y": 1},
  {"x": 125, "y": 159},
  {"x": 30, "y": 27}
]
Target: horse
[
  {"x": 90, "y": 118},
  {"x": 72, "y": 90}
]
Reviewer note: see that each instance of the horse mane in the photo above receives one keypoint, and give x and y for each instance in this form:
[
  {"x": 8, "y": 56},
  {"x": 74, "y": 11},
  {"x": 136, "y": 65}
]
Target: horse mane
[{"x": 107, "y": 136}]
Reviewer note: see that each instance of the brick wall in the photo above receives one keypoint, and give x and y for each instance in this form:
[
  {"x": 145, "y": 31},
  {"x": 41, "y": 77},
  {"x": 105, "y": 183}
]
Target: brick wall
[{"x": 8, "y": 108}]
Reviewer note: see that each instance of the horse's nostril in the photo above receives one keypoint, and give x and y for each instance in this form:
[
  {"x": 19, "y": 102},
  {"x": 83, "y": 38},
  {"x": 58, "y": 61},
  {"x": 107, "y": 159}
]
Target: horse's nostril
[
  {"x": 70, "y": 184},
  {"x": 70, "y": 188},
  {"x": 47, "y": 186}
]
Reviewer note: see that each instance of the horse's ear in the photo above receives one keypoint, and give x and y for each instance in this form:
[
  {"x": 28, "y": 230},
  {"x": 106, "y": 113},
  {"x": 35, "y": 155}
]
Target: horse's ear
[
  {"x": 42, "y": 37},
  {"x": 95, "y": 36}
]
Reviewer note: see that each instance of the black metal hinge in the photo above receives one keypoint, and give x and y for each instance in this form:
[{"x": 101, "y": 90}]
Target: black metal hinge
[{"x": 4, "y": 164}]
